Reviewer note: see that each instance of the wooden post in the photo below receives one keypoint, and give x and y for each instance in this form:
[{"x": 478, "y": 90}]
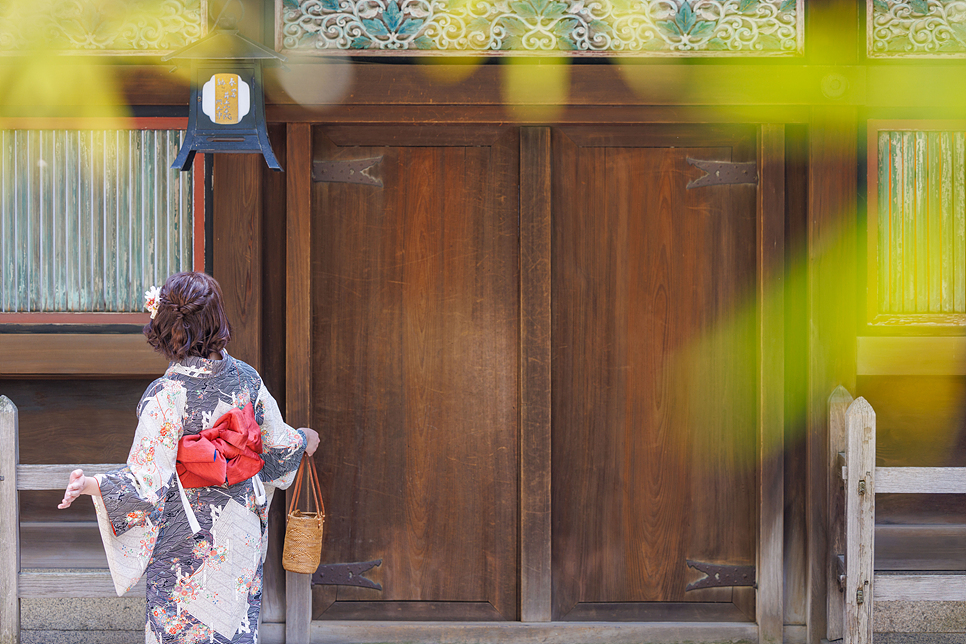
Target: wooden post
[
  {"x": 535, "y": 558},
  {"x": 838, "y": 404},
  {"x": 771, "y": 324},
  {"x": 9, "y": 524},
  {"x": 298, "y": 338},
  {"x": 859, "y": 522},
  {"x": 830, "y": 298}
]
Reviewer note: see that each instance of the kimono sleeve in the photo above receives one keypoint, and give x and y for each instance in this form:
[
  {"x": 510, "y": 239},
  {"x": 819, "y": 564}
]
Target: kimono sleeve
[
  {"x": 131, "y": 503},
  {"x": 282, "y": 445}
]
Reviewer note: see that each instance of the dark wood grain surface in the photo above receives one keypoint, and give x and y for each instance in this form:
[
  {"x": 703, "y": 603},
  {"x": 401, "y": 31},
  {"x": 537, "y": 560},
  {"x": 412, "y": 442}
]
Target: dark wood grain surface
[
  {"x": 414, "y": 370},
  {"x": 72, "y": 421},
  {"x": 237, "y": 249},
  {"x": 654, "y": 370},
  {"x": 920, "y": 420}
]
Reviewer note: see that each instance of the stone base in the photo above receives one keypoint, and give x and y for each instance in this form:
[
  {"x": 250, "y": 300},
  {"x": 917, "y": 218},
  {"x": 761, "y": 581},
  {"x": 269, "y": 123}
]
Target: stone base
[{"x": 920, "y": 617}]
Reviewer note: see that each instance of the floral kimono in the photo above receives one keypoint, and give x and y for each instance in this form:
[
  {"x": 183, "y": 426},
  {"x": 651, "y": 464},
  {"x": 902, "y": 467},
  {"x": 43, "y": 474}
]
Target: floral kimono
[{"x": 200, "y": 549}]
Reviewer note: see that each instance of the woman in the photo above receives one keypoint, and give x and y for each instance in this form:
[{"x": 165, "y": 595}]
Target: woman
[{"x": 193, "y": 520}]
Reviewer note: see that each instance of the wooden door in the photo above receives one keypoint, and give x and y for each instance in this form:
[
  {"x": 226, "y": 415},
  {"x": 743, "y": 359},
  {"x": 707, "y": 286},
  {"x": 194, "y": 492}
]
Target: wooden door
[
  {"x": 654, "y": 376},
  {"x": 414, "y": 371}
]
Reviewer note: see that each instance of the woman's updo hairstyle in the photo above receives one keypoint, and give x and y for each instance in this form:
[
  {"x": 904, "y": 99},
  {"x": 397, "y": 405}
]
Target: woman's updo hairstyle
[{"x": 191, "y": 318}]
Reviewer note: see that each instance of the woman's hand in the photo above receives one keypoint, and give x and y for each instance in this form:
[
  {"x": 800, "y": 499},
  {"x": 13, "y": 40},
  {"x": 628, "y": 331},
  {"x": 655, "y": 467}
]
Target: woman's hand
[
  {"x": 79, "y": 484},
  {"x": 312, "y": 440}
]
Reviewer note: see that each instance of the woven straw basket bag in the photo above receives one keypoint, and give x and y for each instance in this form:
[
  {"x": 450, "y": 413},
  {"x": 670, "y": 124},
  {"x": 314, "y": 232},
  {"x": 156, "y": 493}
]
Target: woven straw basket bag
[{"x": 303, "y": 531}]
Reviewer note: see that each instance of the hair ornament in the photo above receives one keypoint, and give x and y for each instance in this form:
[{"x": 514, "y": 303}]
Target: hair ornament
[{"x": 151, "y": 298}]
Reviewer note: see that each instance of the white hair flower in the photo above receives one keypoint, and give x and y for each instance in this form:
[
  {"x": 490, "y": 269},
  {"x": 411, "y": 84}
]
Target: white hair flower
[{"x": 151, "y": 297}]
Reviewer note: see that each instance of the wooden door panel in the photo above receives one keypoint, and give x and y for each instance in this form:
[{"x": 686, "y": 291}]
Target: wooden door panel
[
  {"x": 415, "y": 328},
  {"x": 654, "y": 371}
]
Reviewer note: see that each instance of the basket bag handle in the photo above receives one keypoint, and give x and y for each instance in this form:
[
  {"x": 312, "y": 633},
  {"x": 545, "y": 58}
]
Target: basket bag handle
[{"x": 315, "y": 491}]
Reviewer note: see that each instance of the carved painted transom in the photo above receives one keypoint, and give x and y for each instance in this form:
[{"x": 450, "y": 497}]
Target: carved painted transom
[
  {"x": 101, "y": 26},
  {"x": 624, "y": 27},
  {"x": 916, "y": 28}
]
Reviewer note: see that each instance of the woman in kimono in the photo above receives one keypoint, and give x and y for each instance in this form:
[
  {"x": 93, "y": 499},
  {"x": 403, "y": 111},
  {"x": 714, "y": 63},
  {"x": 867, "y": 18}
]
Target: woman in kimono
[{"x": 196, "y": 526}]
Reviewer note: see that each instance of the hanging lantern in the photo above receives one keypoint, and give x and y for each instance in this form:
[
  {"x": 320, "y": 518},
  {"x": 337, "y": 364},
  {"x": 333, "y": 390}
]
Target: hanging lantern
[{"x": 226, "y": 113}]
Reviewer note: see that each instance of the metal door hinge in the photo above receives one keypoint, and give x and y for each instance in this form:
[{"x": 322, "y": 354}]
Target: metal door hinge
[
  {"x": 346, "y": 574},
  {"x": 722, "y": 173},
  {"x": 840, "y": 571},
  {"x": 353, "y": 171},
  {"x": 720, "y": 575}
]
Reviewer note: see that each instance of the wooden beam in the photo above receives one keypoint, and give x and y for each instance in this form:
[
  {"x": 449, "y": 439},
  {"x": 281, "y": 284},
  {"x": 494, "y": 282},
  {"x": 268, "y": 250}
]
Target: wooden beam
[
  {"x": 771, "y": 350},
  {"x": 64, "y": 584},
  {"x": 499, "y": 114},
  {"x": 9, "y": 523},
  {"x": 622, "y": 82},
  {"x": 79, "y": 354},
  {"x": 911, "y": 356},
  {"x": 830, "y": 301},
  {"x": 699, "y": 82},
  {"x": 339, "y": 632},
  {"x": 911, "y": 588},
  {"x": 55, "y": 477},
  {"x": 920, "y": 480},
  {"x": 535, "y": 404},
  {"x": 298, "y": 336}
]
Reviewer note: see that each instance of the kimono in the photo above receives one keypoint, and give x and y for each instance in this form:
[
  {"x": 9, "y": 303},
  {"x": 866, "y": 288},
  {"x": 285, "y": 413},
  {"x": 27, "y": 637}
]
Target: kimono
[{"x": 200, "y": 549}]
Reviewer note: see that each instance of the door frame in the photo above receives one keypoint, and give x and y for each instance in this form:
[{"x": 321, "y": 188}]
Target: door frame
[{"x": 535, "y": 421}]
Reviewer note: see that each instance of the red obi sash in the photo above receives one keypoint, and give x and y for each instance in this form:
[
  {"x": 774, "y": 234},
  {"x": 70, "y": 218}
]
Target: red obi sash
[{"x": 228, "y": 452}]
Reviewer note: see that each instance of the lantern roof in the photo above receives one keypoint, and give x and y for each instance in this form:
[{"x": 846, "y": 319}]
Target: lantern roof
[{"x": 225, "y": 44}]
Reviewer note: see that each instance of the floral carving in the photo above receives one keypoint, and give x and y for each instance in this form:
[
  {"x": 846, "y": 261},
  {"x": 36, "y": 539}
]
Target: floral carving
[
  {"x": 641, "y": 27},
  {"x": 97, "y": 26},
  {"x": 916, "y": 28}
]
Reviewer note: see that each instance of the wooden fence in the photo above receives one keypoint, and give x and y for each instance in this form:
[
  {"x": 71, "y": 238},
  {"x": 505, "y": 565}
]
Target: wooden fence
[
  {"x": 14, "y": 583},
  {"x": 854, "y": 482}
]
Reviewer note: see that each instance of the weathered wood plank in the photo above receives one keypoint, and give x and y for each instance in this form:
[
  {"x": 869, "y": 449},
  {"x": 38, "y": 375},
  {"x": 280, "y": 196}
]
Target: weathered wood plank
[
  {"x": 298, "y": 336},
  {"x": 838, "y": 403},
  {"x": 535, "y": 403},
  {"x": 910, "y": 356},
  {"x": 73, "y": 584},
  {"x": 109, "y": 354},
  {"x": 919, "y": 548},
  {"x": 55, "y": 477},
  {"x": 9, "y": 524},
  {"x": 771, "y": 417},
  {"x": 336, "y": 632},
  {"x": 859, "y": 522},
  {"x": 948, "y": 588},
  {"x": 920, "y": 480}
]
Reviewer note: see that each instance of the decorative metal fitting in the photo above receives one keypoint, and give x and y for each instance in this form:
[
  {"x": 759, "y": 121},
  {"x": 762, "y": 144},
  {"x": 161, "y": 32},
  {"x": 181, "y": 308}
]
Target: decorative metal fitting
[
  {"x": 346, "y": 574},
  {"x": 861, "y": 486},
  {"x": 721, "y": 173},
  {"x": 721, "y": 575},
  {"x": 353, "y": 171},
  {"x": 840, "y": 571}
]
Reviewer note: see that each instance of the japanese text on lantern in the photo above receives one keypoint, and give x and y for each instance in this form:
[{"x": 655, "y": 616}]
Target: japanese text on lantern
[{"x": 226, "y": 99}]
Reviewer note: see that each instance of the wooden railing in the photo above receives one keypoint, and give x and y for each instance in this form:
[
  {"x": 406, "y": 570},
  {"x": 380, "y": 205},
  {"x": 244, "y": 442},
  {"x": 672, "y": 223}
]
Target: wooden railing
[
  {"x": 854, "y": 482},
  {"x": 16, "y": 584}
]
